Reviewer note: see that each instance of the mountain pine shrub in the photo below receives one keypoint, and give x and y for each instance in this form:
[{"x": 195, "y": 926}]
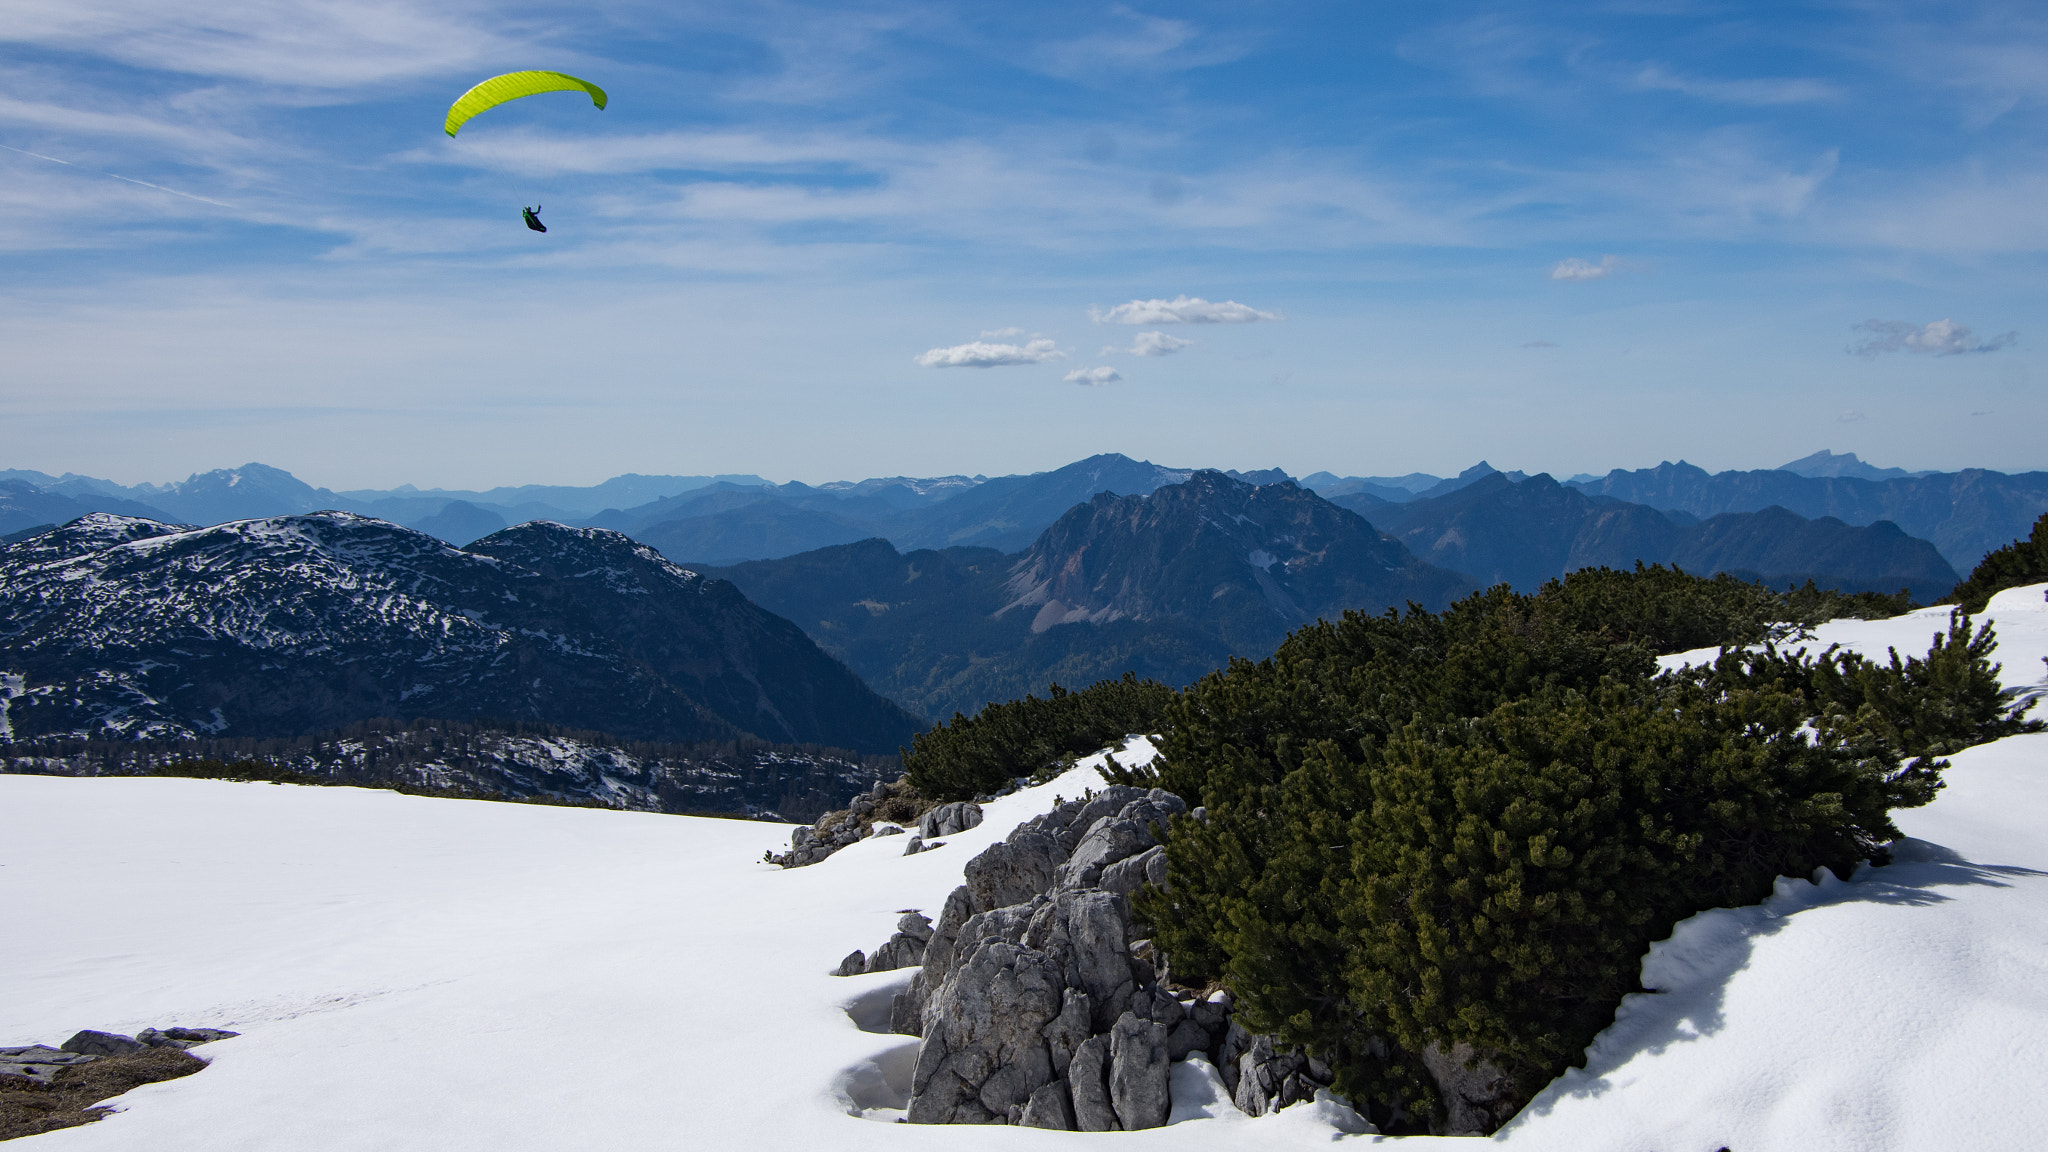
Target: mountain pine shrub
[
  {"x": 2016, "y": 565},
  {"x": 1427, "y": 830},
  {"x": 985, "y": 753}
]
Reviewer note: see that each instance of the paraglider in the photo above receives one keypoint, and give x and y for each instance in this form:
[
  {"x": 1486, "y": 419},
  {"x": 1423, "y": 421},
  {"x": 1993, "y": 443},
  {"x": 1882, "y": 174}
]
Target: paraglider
[{"x": 511, "y": 86}]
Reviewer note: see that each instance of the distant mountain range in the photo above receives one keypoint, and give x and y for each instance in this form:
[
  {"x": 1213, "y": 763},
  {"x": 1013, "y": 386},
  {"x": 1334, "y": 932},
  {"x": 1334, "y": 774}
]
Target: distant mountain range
[
  {"x": 1173, "y": 584},
  {"x": 732, "y": 518},
  {"x": 289, "y": 625},
  {"x": 1966, "y": 514},
  {"x": 1523, "y": 533},
  {"x": 941, "y": 594},
  {"x": 1168, "y": 586}
]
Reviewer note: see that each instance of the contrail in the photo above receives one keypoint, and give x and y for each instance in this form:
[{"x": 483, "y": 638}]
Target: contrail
[{"x": 117, "y": 176}]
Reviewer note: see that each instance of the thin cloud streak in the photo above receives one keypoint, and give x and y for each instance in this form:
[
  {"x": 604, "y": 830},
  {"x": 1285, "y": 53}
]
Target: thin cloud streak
[{"x": 1939, "y": 338}]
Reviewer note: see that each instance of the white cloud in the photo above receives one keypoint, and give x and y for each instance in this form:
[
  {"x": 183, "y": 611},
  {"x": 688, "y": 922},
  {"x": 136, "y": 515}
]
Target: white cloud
[
  {"x": 1574, "y": 268},
  {"x": 981, "y": 354},
  {"x": 1094, "y": 377},
  {"x": 1852, "y": 416},
  {"x": 1940, "y": 338},
  {"x": 1181, "y": 310},
  {"x": 1149, "y": 344},
  {"x": 1001, "y": 333}
]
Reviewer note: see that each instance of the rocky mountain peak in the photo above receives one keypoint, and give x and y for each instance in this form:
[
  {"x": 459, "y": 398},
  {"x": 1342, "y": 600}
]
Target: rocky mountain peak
[{"x": 1258, "y": 559}]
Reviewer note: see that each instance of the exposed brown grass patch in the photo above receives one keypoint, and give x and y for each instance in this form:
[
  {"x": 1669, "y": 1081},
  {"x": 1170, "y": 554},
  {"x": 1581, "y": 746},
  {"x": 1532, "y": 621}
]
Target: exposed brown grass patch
[{"x": 28, "y": 1108}]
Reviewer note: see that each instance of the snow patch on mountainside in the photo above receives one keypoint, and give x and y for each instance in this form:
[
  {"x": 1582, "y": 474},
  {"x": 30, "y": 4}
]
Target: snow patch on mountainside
[{"x": 11, "y": 685}]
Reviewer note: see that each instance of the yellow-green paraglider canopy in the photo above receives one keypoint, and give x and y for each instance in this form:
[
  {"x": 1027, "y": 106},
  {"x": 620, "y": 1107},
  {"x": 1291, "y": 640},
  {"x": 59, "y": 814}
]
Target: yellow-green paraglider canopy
[{"x": 511, "y": 86}]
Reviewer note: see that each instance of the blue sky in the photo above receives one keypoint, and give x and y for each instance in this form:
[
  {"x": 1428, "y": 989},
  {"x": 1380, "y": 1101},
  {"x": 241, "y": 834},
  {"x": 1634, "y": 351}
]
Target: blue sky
[{"x": 834, "y": 241}]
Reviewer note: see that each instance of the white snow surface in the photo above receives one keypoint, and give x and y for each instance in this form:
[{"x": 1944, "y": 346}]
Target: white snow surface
[{"x": 459, "y": 975}]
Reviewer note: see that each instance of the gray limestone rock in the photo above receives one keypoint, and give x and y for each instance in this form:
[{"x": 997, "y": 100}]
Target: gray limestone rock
[
  {"x": 913, "y": 846},
  {"x": 1268, "y": 1080},
  {"x": 1087, "y": 932},
  {"x": 91, "y": 1043},
  {"x": 916, "y": 925},
  {"x": 900, "y": 951},
  {"x": 1229, "y": 1051},
  {"x": 949, "y": 819},
  {"x": 1128, "y": 875},
  {"x": 1088, "y": 1085},
  {"x": 856, "y": 962},
  {"x": 156, "y": 1039},
  {"x": 1069, "y": 1030},
  {"x": 906, "y": 1010},
  {"x": 1109, "y": 840},
  {"x": 1049, "y": 1108},
  {"x": 198, "y": 1035},
  {"x": 1138, "y": 1073},
  {"x": 39, "y": 1062},
  {"x": 907, "y": 1015},
  {"x": 1186, "y": 1039},
  {"x": 1108, "y": 802},
  {"x": 1213, "y": 1013},
  {"x": 1478, "y": 1098},
  {"x": 1013, "y": 870},
  {"x": 984, "y": 1046}
]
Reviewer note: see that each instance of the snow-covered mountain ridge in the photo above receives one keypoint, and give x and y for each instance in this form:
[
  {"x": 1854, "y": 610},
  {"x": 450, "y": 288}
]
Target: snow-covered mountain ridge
[{"x": 291, "y": 624}]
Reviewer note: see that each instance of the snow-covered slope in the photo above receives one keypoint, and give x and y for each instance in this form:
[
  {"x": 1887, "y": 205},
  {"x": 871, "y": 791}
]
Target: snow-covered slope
[{"x": 413, "y": 973}]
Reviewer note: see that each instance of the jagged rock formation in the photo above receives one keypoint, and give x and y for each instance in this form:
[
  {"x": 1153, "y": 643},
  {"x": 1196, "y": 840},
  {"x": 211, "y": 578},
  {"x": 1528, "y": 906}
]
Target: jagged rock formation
[
  {"x": 1039, "y": 1005},
  {"x": 903, "y": 950},
  {"x": 887, "y": 806},
  {"x": 294, "y": 624}
]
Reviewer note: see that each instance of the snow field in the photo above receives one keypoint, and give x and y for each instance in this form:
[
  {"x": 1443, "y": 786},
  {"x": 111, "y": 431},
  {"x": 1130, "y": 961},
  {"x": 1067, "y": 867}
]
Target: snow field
[{"x": 456, "y": 975}]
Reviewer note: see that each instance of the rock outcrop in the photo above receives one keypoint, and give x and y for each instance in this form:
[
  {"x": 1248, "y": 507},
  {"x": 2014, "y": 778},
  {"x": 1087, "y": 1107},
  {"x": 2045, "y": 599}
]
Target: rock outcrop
[
  {"x": 41, "y": 1063},
  {"x": 903, "y": 950},
  {"x": 894, "y": 803},
  {"x": 1039, "y": 1002}
]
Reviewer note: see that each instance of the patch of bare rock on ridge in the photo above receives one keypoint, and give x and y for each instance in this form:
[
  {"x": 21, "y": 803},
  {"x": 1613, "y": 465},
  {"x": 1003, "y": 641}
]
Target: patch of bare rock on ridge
[
  {"x": 43, "y": 1089},
  {"x": 1038, "y": 1000},
  {"x": 884, "y": 810}
]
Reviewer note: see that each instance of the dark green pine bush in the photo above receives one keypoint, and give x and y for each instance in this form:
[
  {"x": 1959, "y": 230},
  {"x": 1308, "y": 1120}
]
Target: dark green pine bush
[
  {"x": 985, "y": 753},
  {"x": 2016, "y": 565},
  {"x": 1426, "y": 830}
]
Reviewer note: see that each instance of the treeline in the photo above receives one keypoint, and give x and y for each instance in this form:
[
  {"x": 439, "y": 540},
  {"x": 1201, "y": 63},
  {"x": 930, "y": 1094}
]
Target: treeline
[{"x": 992, "y": 750}]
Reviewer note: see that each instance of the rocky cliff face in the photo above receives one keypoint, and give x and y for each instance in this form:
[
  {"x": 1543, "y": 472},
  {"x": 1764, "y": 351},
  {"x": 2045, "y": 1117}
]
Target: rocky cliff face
[
  {"x": 294, "y": 624},
  {"x": 1249, "y": 561}
]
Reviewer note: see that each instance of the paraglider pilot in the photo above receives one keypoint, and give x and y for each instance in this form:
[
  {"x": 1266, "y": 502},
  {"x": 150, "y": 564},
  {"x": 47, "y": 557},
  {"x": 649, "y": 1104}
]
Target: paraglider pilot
[{"x": 532, "y": 217}]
